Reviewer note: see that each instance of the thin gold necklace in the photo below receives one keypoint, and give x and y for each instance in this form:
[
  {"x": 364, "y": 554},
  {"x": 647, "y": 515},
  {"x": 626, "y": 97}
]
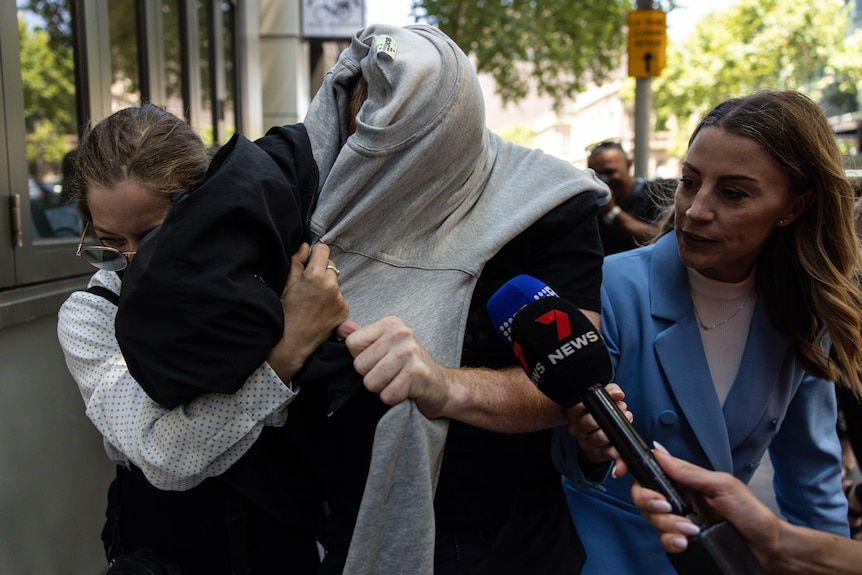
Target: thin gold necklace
[{"x": 719, "y": 324}]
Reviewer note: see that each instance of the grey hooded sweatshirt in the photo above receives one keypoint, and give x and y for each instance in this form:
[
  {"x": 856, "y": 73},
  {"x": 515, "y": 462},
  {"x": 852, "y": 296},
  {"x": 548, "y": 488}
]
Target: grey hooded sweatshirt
[{"x": 413, "y": 204}]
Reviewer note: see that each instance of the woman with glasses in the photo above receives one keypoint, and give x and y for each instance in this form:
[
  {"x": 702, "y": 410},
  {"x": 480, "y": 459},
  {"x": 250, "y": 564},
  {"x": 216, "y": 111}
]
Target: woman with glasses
[{"x": 206, "y": 257}]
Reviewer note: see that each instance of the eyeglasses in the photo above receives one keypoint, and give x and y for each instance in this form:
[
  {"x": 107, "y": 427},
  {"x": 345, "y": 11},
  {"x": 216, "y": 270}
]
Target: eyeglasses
[{"x": 102, "y": 257}]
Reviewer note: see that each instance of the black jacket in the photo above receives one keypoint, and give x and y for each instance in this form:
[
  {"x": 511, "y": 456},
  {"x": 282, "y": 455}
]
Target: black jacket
[{"x": 199, "y": 309}]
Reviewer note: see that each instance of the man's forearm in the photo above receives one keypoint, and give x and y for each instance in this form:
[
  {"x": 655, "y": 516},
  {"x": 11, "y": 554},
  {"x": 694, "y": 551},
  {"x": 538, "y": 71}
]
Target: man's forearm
[
  {"x": 503, "y": 400},
  {"x": 638, "y": 229}
]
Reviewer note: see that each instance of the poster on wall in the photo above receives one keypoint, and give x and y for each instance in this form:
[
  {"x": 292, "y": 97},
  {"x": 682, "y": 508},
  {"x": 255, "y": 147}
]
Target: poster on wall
[{"x": 332, "y": 19}]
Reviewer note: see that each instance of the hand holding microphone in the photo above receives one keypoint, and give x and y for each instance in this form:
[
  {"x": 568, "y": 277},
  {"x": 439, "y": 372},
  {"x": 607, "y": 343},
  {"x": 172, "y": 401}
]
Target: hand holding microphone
[{"x": 566, "y": 358}]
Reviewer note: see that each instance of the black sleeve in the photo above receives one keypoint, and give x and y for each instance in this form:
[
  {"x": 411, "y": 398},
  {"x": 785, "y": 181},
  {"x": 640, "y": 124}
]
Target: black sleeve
[{"x": 562, "y": 249}]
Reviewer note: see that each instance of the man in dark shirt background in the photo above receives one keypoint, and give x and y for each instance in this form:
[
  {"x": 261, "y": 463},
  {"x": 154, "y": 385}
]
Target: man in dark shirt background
[{"x": 627, "y": 221}]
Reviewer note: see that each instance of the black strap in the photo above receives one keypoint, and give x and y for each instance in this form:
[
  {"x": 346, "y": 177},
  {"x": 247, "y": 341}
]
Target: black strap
[
  {"x": 105, "y": 293},
  {"x": 237, "y": 526},
  {"x": 111, "y": 536}
]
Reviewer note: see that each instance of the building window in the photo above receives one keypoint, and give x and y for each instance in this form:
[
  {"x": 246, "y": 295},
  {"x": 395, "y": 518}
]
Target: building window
[{"x": 50, "y": 118}]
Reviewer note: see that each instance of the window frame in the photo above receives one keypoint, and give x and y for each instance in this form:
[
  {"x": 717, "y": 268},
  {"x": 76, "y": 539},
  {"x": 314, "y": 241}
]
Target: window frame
[{"x": 32, "y": 261}]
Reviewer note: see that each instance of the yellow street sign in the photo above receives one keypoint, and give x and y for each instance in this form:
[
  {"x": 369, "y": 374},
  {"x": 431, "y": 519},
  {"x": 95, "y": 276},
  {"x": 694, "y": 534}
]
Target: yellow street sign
[{"x": 647, "y": 43}]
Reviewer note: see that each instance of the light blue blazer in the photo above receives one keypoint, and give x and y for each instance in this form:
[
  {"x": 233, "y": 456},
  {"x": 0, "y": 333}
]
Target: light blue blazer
[{"x": 651, "y": 331}]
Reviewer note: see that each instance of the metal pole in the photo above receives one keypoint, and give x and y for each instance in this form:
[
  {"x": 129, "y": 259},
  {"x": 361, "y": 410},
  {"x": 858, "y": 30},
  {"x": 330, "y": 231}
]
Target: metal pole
[{"x": 643, "y": 106}]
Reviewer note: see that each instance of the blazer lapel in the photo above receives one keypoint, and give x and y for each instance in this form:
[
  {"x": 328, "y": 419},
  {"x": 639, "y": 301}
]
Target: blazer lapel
[
  {"x": 758, "y": 384},
  {"x": 680, "y": 353}
]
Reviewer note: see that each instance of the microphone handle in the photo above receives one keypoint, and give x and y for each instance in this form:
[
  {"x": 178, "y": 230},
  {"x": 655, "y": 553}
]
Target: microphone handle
[
  {"x": 634, "y": 451},
  {"x": 719, "y": 549}
]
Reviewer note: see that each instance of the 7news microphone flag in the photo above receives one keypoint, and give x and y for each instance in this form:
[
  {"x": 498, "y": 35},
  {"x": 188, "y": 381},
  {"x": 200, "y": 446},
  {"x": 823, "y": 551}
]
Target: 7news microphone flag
[{"x": 566, "y": 358}]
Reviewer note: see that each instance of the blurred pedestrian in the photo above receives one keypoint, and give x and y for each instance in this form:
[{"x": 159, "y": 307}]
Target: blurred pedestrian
[{"x": 628, "y": 219}]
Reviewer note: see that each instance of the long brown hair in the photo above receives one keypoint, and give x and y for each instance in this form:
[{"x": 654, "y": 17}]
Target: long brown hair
[{"x": 809, "y": 270}]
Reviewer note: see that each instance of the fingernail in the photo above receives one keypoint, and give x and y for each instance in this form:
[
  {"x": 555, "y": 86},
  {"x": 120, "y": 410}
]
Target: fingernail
[
  {"x": 686, "y": 528},
  {"x": 680, "y": 543},
  {"x": 660, "y": 448},
  {"x": 660, "y": 506}
]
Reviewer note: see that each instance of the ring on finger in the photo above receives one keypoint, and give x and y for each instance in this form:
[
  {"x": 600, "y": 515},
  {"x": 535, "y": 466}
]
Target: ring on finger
[{"x": 335, "y": 269}]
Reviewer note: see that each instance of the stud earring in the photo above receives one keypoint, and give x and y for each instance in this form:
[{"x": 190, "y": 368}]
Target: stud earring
[{"x": 781, "y": 222}]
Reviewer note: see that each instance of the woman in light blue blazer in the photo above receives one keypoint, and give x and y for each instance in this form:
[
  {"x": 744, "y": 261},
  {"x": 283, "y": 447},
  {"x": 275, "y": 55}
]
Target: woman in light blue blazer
[{"x": 723, "y": 341}]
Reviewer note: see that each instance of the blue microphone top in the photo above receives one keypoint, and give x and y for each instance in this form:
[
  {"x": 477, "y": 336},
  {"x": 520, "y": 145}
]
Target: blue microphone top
[{"x": 511, "y": 298}]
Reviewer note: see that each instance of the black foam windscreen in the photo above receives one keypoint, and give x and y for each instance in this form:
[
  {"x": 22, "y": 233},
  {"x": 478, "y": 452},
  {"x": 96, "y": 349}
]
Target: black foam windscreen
[{"x": 560, "y": 349}]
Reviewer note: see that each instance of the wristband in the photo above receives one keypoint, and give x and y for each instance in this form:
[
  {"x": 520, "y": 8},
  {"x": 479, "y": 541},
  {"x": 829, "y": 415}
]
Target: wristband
[{"x": 612, "y": 214}]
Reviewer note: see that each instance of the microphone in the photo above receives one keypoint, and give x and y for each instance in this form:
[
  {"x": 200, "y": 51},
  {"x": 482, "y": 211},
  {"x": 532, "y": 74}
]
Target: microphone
[
  {"x": 566, "y": 358},
  {"x": 564, "y": 355}
]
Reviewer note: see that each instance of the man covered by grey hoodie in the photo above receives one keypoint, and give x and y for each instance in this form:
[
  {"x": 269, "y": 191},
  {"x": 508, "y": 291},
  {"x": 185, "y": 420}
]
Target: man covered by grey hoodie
[{"x": 427, "y": 213}]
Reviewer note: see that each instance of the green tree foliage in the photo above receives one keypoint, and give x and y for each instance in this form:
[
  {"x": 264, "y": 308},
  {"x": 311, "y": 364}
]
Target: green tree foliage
[
  {"x": 518, "y": 134},
  {"x": 754, "y": 45},
  {"x": 57, "y": 20},
  {"x": 558, "y": 46},
  {"x": 49, "y": 92}
]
